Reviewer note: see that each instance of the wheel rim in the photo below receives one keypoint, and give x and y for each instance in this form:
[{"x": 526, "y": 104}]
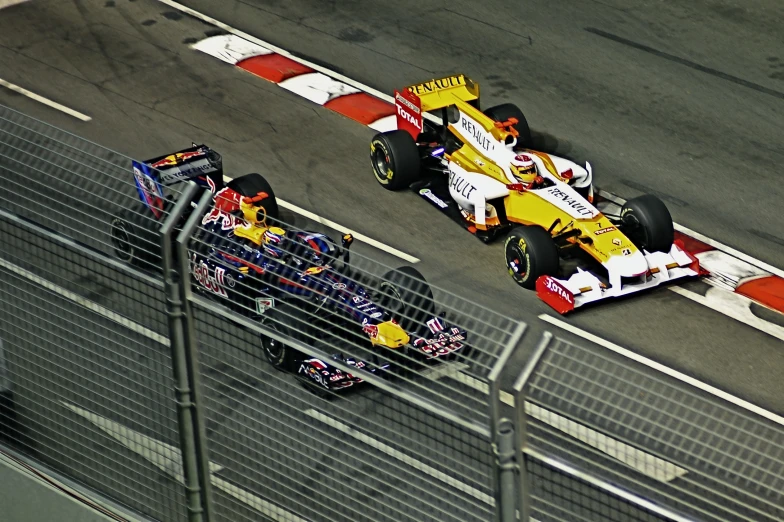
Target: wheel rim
[
  {"x": 515, "y": 260},
  {"x": 121, "y": 240},
  {"x": 381, "y": 165}
]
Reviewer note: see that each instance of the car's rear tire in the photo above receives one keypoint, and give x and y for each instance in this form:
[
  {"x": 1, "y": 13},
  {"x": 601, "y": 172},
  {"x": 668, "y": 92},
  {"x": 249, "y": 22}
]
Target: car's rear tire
[
  {"x": 136, "y": 237},
  {"x": 509, "y": 110},
  {"x": 530, "y": 253},
  {"x": 648, "y": 224},
  {"x": 395, "y": 159},
  {"x": 288, "y": 321},
  {"x": 250, "y": 185}
]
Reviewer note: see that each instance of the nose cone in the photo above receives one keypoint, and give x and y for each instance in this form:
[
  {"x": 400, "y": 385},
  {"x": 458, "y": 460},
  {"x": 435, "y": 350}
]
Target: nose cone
[
  {"x": 390, "y": 335},
  {"x": 627, "y": 265}
]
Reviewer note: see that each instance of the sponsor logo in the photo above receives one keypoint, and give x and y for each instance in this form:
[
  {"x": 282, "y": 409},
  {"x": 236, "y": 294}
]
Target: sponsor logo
[
  {"x": 458, "y": 184},
  {"x": 399, "y": 97},
  {"x": 432, "y": 197},
  {"x": 437, "y": 85},
  {"x": 371, "y": 330},
  {"x": 178, "y": 157},
  {"x": 339, "y": 286},
  {"x": 403, "y": 113},
  {"x": 263, "y": 304},
  {"x": 616, "y": 241},
  {"x": 481, "y": 138},
  {"x": 604, "y": 231},
  {"x": 627, "y": 251},
  {"x": 557, "y": 288},
  {"x": 214, "y": 282},
  {"x": 227, "y": 221},
  {"x": 570, "y": 201},
  {"x": 376, "y": 315}
]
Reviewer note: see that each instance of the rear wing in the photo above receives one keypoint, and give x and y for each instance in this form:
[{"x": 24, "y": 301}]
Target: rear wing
[
  {"x": 442, "y": 92},
  {"x": 431, "y": 95},
  {"x": 198, "y": 163}
]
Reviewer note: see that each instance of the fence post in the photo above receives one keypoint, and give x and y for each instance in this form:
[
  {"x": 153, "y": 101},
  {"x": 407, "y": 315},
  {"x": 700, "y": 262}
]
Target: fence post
[
  {"x": 521, "y": 421},
  {"x": 507, "y": 470},
  {"x": 191, "y": 353},
  {"x": 494, "y": 403},
  {"x": 182, "y": 388}
]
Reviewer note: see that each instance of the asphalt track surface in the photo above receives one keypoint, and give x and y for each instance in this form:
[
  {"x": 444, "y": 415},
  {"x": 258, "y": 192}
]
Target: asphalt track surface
[
  {"x": 707, "y": 144},
  {"x": 127, "y": 65}
]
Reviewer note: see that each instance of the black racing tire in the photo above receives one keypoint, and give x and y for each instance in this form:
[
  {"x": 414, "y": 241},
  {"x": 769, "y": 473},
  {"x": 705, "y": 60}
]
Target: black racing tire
[
  {"x": 530, "y": 253},
  {"x": 253, "y": 183},
  {"x": 290, "y": 322},
  {"x": 408, "y": 297},
  {"x": 395, "y": 159},
  {"x": 509, "y": 110},
  {"x": 136, "y": 237},
  {"x": 648, "y": 224}
]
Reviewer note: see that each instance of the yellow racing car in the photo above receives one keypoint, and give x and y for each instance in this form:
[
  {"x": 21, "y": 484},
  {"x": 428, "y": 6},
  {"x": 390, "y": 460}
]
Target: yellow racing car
[{"x": 479, "y": 168}]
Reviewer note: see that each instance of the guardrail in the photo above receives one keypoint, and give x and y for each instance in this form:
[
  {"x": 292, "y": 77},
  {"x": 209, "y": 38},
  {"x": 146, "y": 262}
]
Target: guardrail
[{"x": 194, "y": 387}]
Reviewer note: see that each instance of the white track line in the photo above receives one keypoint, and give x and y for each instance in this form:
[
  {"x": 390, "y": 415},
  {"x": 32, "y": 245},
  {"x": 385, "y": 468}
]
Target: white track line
[
  {"x": 45, "y": 101},
  {"x": 647, "y": 464},
  {"x": 663, "y": 369},
  {"x": 732, "y": 305},
  {"x": 83, "y": 301},
  {"x": 361, "y": 237},
  {"x": 399, "y": 455},
  {"x": 344, "y": 230},
  {"x": 168, "y": 459}
]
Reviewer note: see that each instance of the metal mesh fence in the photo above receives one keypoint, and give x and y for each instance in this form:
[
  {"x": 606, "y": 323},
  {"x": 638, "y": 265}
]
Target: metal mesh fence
[
  {"x": 88, "y": 385},
  {"x": 334, "y": 387},
  {"x": 666, "y": 441}
]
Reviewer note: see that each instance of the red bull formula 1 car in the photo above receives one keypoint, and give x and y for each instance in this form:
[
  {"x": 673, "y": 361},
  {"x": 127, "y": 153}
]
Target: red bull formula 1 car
[{"x": 296, "y": 282}]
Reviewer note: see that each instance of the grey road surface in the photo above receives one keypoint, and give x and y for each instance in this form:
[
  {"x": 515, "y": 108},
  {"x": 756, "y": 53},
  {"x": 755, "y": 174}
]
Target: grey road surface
[{"x": 128, "y": 66}]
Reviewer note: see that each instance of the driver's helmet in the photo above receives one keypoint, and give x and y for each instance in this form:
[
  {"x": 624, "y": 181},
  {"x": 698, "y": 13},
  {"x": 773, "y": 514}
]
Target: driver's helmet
[
  {"x": 319, "y": 250},
  {"x": 273, "y": 238},
  {"x": 524, "y": 169}
]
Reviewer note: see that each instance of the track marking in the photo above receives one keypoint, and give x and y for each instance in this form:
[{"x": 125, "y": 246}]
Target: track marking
[
  {"x": 362, "y": 237},
  {"x": 344, "y": 230},
  {"x": 647, "y": 464},
  {"x": 83, "y": 301},
  {"x": 392, "y": 452},
  {"x": 45, "y": 101},
  {"x": 663, "y": 369},
  {"x": 168, "y": 459},
  {"x": 732, "y": 305}
]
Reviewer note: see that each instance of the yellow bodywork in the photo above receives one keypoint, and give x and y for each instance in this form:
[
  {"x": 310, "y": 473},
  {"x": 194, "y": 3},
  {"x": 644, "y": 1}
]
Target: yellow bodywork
[
  {"x": 443, "y": 92},
  {"x": 529, "y": 208},
  {"x": 390, "y": 335}
]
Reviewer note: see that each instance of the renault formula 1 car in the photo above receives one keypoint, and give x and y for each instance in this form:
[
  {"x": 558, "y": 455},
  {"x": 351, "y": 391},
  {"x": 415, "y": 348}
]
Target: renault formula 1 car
[
  {"x": 479, "y": 168},
  {"x": 298, "y": 283}
]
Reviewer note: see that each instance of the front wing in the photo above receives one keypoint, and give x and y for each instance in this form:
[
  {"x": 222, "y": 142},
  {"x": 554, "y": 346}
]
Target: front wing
[{"x": 583, "y": 287}]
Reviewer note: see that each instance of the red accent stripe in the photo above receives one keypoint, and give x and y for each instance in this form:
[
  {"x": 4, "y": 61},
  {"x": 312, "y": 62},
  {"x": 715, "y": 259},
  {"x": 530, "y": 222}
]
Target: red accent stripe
[
  {"x": 691, "y": 245},
  {"x": 273, "y": 67},
  {"x": 768, "y": 291},
  {"x": 361, "y": 107},
  {"x": 243, "y": 262}
]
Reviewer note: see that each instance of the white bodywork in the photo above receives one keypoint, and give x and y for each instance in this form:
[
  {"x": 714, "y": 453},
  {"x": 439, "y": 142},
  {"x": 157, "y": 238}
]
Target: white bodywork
[
  {"x": 584, "y": 287},
  {"x": 472, "y": 190}
]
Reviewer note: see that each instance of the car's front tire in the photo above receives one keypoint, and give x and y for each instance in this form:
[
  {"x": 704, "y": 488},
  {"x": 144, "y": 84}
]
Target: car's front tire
[
  {"x": 648, "y": 224},
  {"x": 530, "y": 253},
  {"x": 395, "y": 159}
]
